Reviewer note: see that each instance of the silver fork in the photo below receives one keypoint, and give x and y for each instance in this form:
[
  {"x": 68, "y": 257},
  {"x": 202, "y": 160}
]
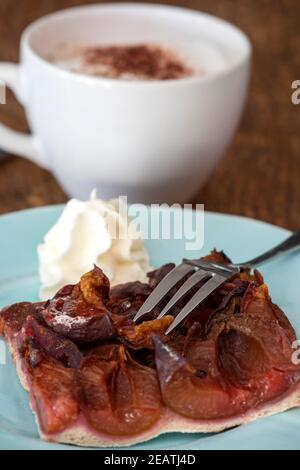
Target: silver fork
[{"x": 213, "y": 275}]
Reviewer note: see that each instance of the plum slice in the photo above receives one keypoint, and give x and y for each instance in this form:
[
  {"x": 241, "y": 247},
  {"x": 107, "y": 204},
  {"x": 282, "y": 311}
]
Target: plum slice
[
  {"x": 255, "y": 346},
  {"x": 247, "y": 365},
  {"x": 126, "y": 299},
  {"x": 118, "y": 395},
  {"x": 55, "y": 346},
  {"x": 79, "y": 312},
  {"x": 193, "y": 392},
  {"x": 94, "y": 286},
  {"x": 257, "y": 303},
  {"x": 54, "y": 395}
]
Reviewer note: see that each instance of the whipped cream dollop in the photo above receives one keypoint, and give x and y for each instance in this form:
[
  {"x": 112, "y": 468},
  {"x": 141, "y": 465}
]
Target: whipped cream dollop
[{"x": 88, "y": 233}]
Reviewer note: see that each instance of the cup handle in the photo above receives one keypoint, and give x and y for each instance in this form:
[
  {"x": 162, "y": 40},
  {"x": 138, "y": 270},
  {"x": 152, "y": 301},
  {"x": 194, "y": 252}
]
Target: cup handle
[{"x": 18, "y": 143}]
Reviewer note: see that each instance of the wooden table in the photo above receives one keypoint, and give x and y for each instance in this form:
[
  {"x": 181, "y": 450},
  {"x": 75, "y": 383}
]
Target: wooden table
[{"x": 260, "y": 174}]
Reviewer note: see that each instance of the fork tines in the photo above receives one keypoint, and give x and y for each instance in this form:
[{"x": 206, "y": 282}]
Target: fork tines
[{"x": 213, "y": 275}]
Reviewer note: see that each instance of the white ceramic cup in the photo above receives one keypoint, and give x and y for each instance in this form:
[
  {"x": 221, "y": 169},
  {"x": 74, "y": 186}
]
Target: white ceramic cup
[{"x": 154, "y": 141}]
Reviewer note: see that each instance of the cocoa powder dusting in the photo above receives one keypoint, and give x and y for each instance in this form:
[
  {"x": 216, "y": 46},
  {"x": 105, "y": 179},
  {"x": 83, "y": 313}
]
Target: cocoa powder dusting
[{"x": 142, "y": 61}]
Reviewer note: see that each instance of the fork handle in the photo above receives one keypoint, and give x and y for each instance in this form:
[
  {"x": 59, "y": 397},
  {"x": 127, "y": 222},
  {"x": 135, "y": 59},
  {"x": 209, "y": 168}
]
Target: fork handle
[{"x": 292, "y": 243}]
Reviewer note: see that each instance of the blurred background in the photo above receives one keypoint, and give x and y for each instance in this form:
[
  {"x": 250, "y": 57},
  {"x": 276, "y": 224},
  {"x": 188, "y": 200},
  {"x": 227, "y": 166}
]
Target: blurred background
[{"x": 260, "y": 174}]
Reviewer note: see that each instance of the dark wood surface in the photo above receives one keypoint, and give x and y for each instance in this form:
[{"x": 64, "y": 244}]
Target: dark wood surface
[{"x": 260, "y": 174}]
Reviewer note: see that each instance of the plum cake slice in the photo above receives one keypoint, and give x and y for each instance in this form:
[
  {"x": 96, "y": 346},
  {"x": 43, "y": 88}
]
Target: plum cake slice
[{"x": 96, "y": 378}]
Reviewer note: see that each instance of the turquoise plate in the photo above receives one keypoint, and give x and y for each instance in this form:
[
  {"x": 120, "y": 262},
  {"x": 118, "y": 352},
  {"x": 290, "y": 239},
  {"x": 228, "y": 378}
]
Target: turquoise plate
[{"x": 239, "y": 237}]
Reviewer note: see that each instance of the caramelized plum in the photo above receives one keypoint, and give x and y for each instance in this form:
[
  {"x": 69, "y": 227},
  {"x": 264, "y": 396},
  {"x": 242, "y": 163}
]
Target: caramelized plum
[
  {"x": 140, "y": 336},
  {"x": 202, "y": 355},
  {"x": 193, "y": 394},
  {"x": 118, "y": 395},
  {"x": 242, "y": 358},
  {"x": 51, "y": 343},
  {"x": 246, "y": 365},
  {"x": 130, "y": 290},
  {"x": 79, "y": 312},
  {"x": 237, "y": 289},
  {"x": 257, "y": 302},
  {"x": 126, "y": 299},
  {"x": 94, "y": 287},
  {"x": 54, "y": 395},
  {"x": 260, "y": 336},
  {"x": 217, "y": 257},
  {"x": 12, "y": 318}
]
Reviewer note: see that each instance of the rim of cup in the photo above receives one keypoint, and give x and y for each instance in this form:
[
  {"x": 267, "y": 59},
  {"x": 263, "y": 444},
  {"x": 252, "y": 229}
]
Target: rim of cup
[{"x": 111, "y": 82}]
